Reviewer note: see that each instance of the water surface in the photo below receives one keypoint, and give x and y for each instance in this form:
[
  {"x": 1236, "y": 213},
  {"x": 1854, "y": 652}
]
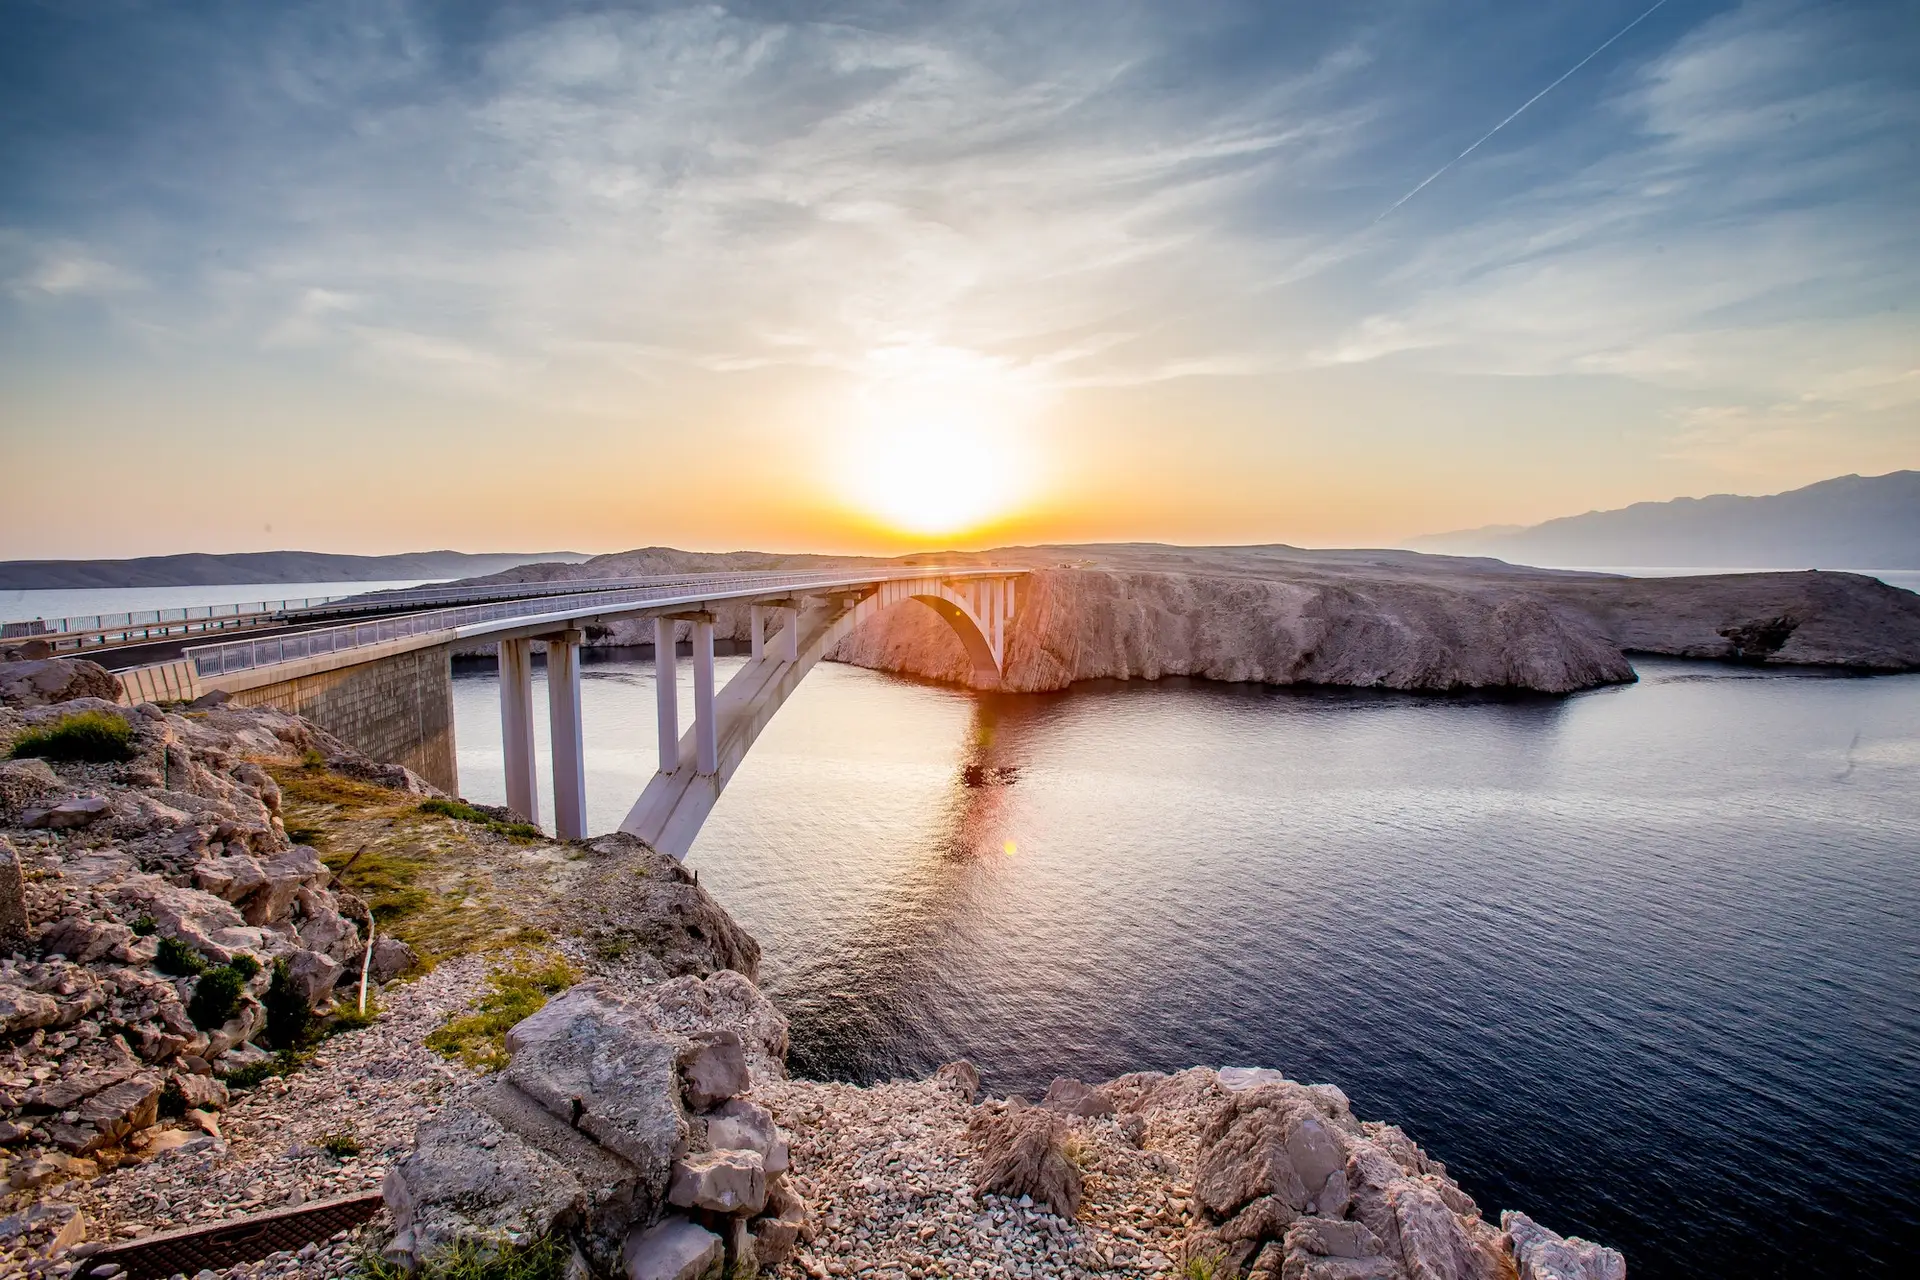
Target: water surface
[{"x": 1642, "y": 962}]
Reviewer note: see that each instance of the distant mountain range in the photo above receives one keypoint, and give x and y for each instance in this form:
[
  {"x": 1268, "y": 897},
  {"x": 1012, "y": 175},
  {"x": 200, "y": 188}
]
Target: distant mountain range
[
  {"x": 259, "y": 566},
  {"x": 1852, "y": 522}
]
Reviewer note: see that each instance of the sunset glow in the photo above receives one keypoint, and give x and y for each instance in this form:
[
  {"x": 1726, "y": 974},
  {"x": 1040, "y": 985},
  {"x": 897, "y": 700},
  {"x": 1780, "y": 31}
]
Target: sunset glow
[{"x": 935, "y": 444}]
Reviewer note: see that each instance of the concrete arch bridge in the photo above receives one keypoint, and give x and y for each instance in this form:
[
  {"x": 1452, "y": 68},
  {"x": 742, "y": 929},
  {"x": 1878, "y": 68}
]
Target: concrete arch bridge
[{"x": 383, "y": 682}]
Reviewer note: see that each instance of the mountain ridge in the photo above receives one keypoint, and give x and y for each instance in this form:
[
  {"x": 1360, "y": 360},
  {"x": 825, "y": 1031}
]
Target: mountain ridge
[
  {"x": 200, "y": 569},
  {"x": 1847, "y": 522}
]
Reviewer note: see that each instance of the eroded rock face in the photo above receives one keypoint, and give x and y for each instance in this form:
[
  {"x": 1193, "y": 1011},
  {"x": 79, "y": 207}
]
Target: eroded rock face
[
  {"x": 1020, "y": 1154},
  {"x": 1539, "y": 1254},
  {"x": 471, "y": 1179}
]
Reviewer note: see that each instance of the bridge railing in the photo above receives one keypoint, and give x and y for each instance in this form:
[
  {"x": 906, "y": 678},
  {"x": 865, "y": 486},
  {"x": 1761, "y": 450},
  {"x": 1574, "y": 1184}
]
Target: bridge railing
[
  {"x": 413, "y": 597},
  {"x": 109, "y": 625},
  {"x": 241, "y": 655}
]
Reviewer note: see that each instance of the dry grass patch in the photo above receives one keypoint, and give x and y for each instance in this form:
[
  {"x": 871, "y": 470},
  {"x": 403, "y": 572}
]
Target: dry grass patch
[{"x": 514, "y": 991}]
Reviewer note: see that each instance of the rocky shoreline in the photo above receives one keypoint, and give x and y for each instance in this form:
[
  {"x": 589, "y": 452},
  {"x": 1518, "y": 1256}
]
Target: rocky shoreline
[{"x": 566, "y": 1046}]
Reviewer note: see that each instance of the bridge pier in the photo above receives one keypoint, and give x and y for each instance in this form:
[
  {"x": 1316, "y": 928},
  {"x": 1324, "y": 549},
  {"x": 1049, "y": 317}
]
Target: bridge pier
[
  {"x": 516, "y": 728},
  {"x": 666, "y": 693},
  {"x": 569, "y": 747},
  {"x": 706, "y": 733}
]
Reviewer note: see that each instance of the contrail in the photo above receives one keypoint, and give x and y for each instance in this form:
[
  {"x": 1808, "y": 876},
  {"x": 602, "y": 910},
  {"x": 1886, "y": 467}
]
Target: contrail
[{"x": 1523, "y": 106}]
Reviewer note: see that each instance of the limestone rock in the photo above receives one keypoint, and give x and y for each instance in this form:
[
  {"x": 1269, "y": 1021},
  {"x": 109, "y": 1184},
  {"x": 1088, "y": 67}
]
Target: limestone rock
[
  {"x": 25, "y": 782},
  {"x": 22, "y": 1010},
  {"x": 713, "y": 1068},
  {"x": 1541, "y": 1255},
  {"x": 728, "y": 1181},
  {"x": 1019, "y": 1150},
  {"x": 201, "y": 1092},
  {"x": 391, "y": 958},
  {"x": 83, "y": 940},
  {"x": 674, "y": 1250},
  {"x": 1074, "y": 1098},
  {"x": 609, "y": 1076},
  {"x": 68, "y": 814},
  {"x": 229, "y": 878},
  {"x": 618, "y": 1196},
  {"x": 313, "y": 975},
  {"x": 49, "y": 680},
  {"x": 962, "y": 1077},
  {"x": 470, "y": 1179},
  {"x": 119, "y": 1109},
  {"x": 748, "y": 1126}
]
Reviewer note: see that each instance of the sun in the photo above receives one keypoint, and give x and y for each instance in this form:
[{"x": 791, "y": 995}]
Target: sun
[{"x": 938, "y": 441}]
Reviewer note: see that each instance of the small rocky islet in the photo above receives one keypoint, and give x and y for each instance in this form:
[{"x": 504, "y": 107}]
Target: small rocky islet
[{"x": 565, "y": 1059}]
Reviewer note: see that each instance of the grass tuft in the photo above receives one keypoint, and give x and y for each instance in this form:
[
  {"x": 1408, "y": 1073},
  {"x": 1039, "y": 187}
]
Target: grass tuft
[
  {"x": 515, "y": 991},
  {"x": 97, "y": 737},
  {"x": 340, "y": 1145},
  {"x": 544, "y": 1259},
  {"x": 467, "y": 813},
  {"x": 283, "y": 1063},
  {"x": 289, "y": 1020}
]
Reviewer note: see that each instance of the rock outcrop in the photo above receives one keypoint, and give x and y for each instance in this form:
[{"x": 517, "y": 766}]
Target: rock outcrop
[
  {"x": 148, "y": 907},
  {"x": 46, "y": 681},
  {"x": 617, "y": 1123}
]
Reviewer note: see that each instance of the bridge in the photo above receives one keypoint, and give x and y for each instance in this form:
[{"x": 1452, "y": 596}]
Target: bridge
[{"x": 376, "y": 671}]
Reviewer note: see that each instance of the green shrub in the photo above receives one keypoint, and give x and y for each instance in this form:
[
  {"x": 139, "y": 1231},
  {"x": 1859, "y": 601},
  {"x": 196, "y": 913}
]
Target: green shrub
[
  {"x": 289, "y": 1020},
  {"x": 98, "y": 737},
  {"x": 283, "y": 1063},
  {"x": 179, "y": 959},
  {"x": 146, "y": 927},
  {"x": 244, "y": 965},
  {"x": 216, "y": 998}
]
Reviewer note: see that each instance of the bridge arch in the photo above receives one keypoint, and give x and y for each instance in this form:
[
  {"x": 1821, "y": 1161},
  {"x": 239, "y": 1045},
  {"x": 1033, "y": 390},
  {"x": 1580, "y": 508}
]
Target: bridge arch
[{"x": 695, "y": 767}]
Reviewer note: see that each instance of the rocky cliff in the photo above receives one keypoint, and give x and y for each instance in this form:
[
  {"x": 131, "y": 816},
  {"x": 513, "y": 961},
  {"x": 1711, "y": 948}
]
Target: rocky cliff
[{"x": 1381, "y": 619}]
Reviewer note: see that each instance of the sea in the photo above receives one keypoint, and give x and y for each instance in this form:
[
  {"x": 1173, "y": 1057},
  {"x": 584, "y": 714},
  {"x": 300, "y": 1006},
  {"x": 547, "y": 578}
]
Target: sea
[{"x": 1643, "y": 962}]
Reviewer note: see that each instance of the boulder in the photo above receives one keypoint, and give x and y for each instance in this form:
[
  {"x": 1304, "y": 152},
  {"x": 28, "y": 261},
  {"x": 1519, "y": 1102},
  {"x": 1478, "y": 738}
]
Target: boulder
[
  {"x": 605, "y": 1074},
  {"x": 713, "y": 1068},
  {"x": 748, "y": 1126},
  {"x": 294, "y": 870},
  {"x": 23, "y": 1010},
  {"x": 720, "y": 1182},
  {"x": 82, "y": 939},
  {"x": 1539, "y": 1254},
  {"x": 313, "y": 974},
  {"x": 230, "y": 878},
  {"x": 200, "y": 1092},
  {"x": 1019, "y": 1150},
  {"x": 16, "y": 926},
  {"x": 25, "y": 782},
  {"x": 673, "y": 1250},
  {"x": 962, "y": 1077},
  {"x": 619, "y": 1198},
  {"x": 49, "y": 680},
  {"x": 119, "y": 1109},
  {"x": 1271, "y": 1139},
  {"x": 391, "y": 958},
  {"x": 68, "y": 814},
  {"x": 327, "y": 931},
  {"x": 1071, "y": 1097},
  {"x": 470, "y": 1180}
]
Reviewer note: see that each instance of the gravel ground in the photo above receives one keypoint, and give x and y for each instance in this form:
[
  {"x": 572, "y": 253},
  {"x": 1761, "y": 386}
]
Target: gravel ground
[
  {"x": 889, "y": 1175},
  {"x": 374, "y": 1086}
]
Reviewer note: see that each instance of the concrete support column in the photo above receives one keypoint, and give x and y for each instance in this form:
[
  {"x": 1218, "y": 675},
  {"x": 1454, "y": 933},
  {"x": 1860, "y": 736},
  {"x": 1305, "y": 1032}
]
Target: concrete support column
[
  {"x": 790, "y": 635},
  {"x": 569, "y": 746},
  {"x": 516, "y": 727},
  {"x": 666, "y": 692},
  {"x": 705, "y": 729},
  {"x": 997, "y": 624},
  {"x": 757, "y": 630}
]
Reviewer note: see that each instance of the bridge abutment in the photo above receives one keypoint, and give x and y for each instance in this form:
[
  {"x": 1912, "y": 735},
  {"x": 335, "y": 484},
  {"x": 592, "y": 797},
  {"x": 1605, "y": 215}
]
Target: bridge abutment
[{"x": 398, "y": 709}]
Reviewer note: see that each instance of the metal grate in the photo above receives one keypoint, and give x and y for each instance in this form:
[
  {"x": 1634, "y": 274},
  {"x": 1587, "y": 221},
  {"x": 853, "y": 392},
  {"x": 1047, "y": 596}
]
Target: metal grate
[{"x": 210, "y": 1248}]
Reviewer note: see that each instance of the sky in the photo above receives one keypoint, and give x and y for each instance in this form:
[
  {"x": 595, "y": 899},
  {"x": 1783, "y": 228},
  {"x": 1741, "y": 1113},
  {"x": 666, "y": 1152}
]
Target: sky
[{"x": 374, "y": 275}]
